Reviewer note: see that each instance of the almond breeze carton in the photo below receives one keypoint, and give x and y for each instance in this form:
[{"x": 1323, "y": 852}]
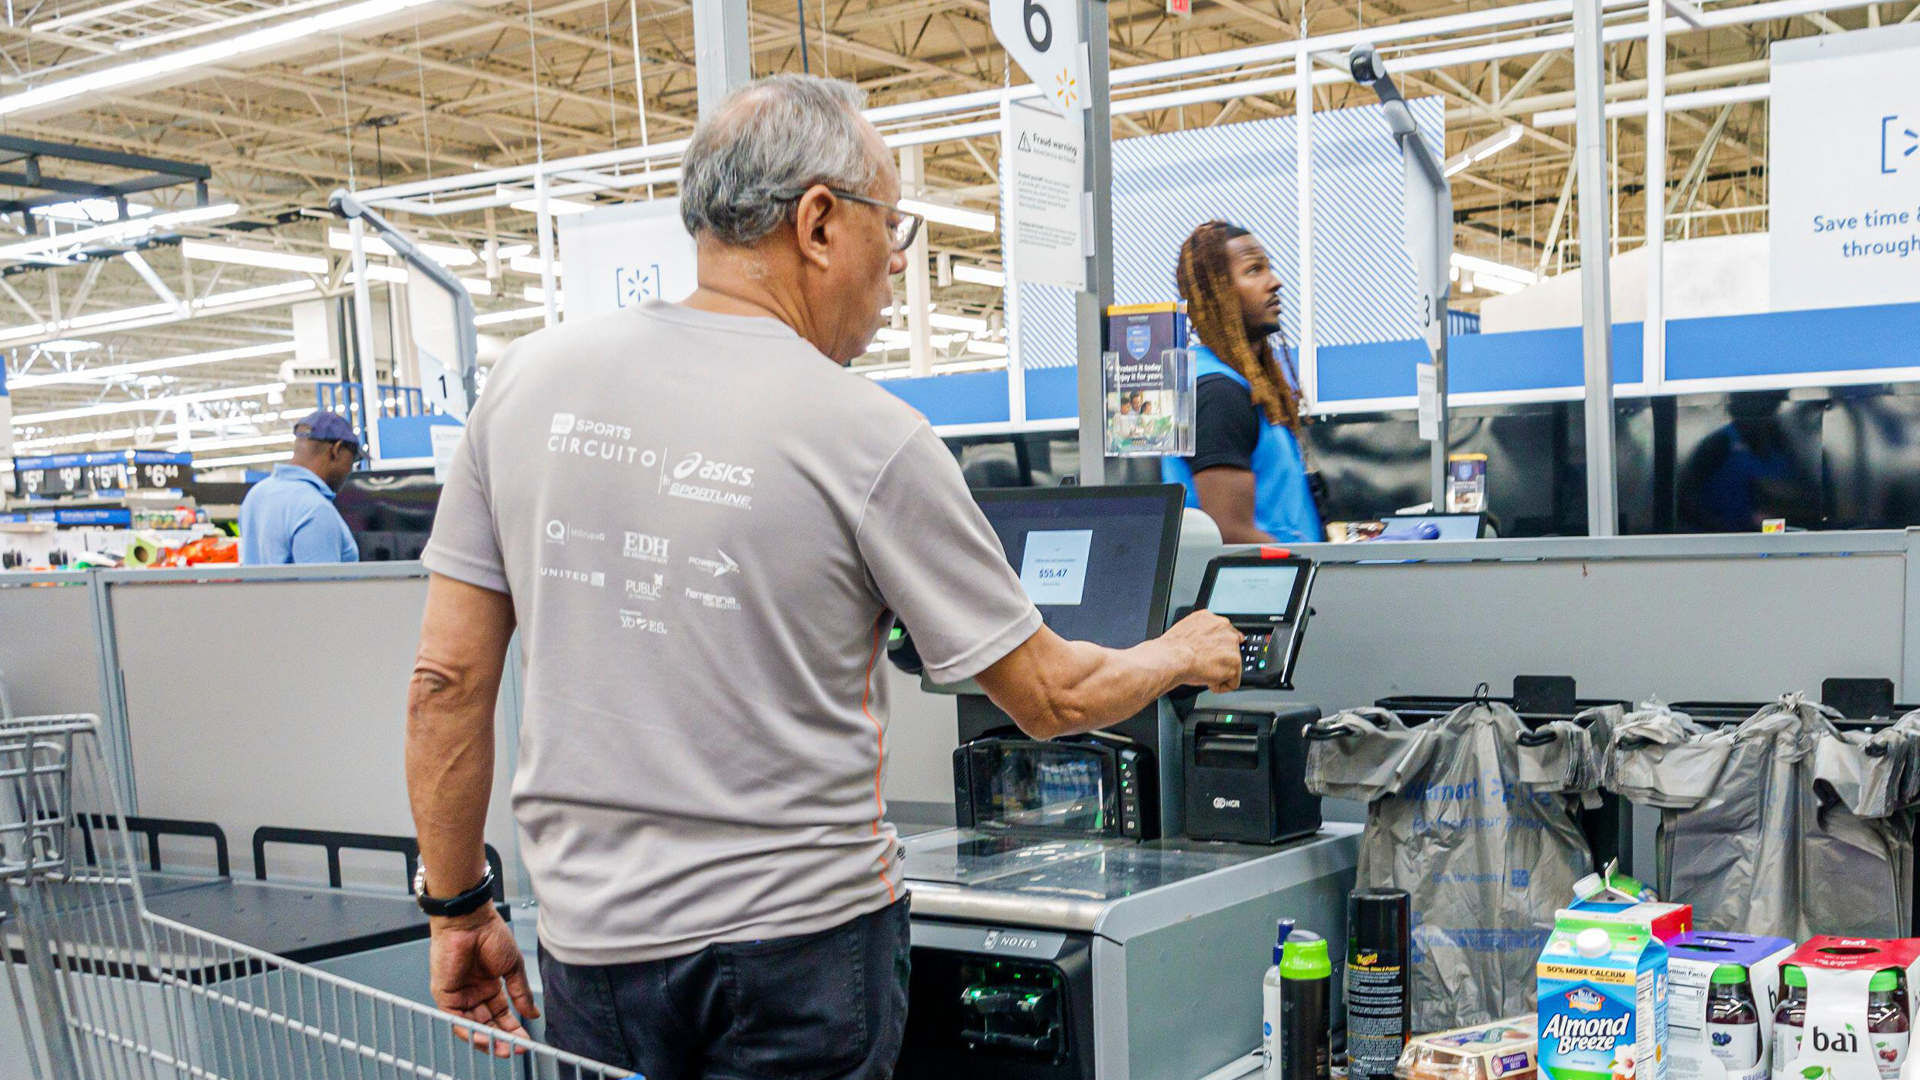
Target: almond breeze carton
[{"x": 1602, "y": 1002}]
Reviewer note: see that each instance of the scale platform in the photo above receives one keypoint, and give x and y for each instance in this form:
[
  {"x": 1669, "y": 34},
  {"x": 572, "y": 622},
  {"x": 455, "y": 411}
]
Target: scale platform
[{"x": 1110, "y": 887}]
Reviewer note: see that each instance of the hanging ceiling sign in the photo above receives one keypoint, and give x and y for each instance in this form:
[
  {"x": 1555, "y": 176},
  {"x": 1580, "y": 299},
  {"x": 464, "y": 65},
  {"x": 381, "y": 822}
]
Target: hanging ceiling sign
[{"x": 1043, "y": 37}]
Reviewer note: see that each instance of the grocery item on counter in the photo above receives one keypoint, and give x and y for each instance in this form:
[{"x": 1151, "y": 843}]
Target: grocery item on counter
[
  {"x": 1612, "y": 886},
  {"x": 1666, "y": 921},
  {"x": 1379, "y": 991},
  {"x": 1602, "y": 1002},
  {"x": 1306, "y": 1013},
  {"x": 1846, "y": 1010},
  {"x": 1270, "y": 1004},
  {"x": 1502, "y": 1050},
  {"x": 1722, "y": 1000}
]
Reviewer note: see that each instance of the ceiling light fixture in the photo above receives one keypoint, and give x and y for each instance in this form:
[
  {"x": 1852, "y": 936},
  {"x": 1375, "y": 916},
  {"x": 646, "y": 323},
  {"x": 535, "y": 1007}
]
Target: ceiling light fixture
[
  {"x": 392, "y": 275},
  {"x": 113, "y": 230},
  {"x": 534, "y": 294},
  {"x": 957, "y": 322},
  {"x": 216, "y": 52},
  {"x": 556, "y": 207},
  {"x": 67, "y": 346},
  {"x": 979, "y": 275},
  {"x": 158, "y": 404},
  {"x": 529, "y": 264},
  {"x": 444, "y": 254},
  {"x": 87, "y": 375},
  {"x": 206, "y": 251},
  {"x": 495, "y": 318},
  {"x": 244, "y": 459},
  {"x": 977, "y": 220},
  {"x": 1483, "y": 269},
  {"x": 1485, "y": 148}
]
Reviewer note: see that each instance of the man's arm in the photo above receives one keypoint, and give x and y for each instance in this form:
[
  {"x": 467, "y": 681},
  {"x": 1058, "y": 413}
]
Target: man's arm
[
  {"x": 1051, "y": 686},
  {"x": 450, "y": 708},
  {"x": 1227, "y": 496}
]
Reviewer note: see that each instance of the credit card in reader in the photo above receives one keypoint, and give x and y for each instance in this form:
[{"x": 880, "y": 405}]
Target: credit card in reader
[{"x": 1264, "y": 595}]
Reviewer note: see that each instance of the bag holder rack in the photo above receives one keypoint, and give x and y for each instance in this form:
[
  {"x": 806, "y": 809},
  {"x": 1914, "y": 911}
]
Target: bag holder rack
[{"x": 1538, "y": 700}]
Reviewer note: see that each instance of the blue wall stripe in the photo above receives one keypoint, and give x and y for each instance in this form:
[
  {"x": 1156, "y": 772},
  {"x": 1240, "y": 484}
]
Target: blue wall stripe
[
  {"x": 1476, "y": 363},
  {"x": 1791, "y": 342},
  {"x": 1053, "y": 393},
  {"x": 967, "y": 397}
]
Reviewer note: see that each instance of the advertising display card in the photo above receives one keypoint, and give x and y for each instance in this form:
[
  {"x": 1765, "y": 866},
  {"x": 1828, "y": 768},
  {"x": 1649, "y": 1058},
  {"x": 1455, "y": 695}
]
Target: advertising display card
[{"x": 1147, "y": 379}]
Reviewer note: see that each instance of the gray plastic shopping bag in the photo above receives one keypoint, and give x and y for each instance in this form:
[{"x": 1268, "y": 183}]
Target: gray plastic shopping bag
[
  {"x": 1478, "y": 828},
  {"x": 1750, "y": 834}
]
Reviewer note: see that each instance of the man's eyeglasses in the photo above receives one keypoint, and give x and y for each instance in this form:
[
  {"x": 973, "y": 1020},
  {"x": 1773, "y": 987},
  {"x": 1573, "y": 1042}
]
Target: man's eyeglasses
[{"x": 905, "y": 227}]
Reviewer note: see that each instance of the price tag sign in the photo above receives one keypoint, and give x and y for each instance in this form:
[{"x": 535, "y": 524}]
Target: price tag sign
[{"x": 1043, "y": 37}]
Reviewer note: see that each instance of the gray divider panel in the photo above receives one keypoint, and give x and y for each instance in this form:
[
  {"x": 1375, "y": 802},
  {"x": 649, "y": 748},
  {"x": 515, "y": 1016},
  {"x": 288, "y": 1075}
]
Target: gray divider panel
[
  {"x": 256, "y": 703},
  {"x": 48, "y": 653}
]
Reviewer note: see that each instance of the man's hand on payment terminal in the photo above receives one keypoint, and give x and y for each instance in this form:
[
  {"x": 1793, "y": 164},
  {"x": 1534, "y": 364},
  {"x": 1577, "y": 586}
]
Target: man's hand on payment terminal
[{"x": 1215, "y": 648}]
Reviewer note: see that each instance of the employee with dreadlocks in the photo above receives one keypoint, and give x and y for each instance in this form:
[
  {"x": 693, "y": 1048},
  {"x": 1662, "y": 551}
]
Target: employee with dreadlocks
[{"x": 1247, "y": 471}]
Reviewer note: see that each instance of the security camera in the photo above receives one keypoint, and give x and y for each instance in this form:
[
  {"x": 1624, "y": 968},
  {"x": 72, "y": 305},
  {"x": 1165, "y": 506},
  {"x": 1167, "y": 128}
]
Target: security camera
[{"x": 1364, "y": 62}]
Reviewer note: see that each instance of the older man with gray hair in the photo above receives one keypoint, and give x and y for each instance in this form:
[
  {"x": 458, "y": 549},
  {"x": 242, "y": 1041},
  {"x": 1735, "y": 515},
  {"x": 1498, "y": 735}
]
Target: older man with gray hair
[{"x": 703, "y": 527}]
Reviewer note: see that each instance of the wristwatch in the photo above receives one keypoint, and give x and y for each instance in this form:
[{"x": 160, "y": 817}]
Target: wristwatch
[{"x": 467, "y": 902}]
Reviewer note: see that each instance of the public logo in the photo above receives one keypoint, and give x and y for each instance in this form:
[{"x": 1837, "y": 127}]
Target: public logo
[
  {"x": 720, "y": 567},
  {"x": 645, "y": 590}
]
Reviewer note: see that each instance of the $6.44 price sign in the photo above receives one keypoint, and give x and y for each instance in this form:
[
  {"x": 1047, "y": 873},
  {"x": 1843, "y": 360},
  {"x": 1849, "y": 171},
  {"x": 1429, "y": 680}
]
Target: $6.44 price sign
[{"x": 1043, "y": 37}]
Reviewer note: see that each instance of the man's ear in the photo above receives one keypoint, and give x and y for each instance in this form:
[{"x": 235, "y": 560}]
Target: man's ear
[{"x": 810, "y": 223}]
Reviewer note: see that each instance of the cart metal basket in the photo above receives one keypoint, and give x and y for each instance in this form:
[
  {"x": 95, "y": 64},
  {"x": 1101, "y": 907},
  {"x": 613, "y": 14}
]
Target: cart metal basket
[{"x": 106, "y": 990}]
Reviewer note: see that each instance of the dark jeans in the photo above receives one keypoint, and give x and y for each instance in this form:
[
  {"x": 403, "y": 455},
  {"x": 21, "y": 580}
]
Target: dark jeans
[{"x": 825, "y": 1006}]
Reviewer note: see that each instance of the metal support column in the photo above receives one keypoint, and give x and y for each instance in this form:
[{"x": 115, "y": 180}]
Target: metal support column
[
  {"x": 543, "y": 234},
  {"x": 722, "y": 49},
  {"x": 1092, "y": 303},
  {"x": 1590, "y": 155},
  {"x": 1654, "y": 370},
  {"x": 363, "y": 334},
  {"x": 913, "y": 175}
]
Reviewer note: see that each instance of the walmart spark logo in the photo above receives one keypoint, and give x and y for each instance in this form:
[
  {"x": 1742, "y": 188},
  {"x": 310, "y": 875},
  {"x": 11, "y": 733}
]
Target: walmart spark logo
[
  {"x": 1898, "y": 141},
  {"x": 1066, "y": 89}
]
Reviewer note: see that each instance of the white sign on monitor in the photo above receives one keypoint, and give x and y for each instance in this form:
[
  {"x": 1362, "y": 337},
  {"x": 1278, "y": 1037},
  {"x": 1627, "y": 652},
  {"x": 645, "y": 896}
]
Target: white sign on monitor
[{"x": 1054, "y": 566}]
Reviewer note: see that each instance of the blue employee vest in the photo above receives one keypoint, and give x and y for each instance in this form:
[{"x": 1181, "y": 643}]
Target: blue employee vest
[{"x": 1282, "y": 505}]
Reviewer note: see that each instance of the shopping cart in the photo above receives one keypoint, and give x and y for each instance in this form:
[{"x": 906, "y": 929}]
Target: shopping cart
[{"x": 106, "y": 990}]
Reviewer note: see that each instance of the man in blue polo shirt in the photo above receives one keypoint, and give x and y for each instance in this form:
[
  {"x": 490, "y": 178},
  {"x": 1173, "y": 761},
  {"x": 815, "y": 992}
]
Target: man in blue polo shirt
[{"x": 289, "y": 516}]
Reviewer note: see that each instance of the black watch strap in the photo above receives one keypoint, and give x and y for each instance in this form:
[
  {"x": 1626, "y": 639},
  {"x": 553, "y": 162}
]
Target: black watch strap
[{"x": 466, "y": 903}]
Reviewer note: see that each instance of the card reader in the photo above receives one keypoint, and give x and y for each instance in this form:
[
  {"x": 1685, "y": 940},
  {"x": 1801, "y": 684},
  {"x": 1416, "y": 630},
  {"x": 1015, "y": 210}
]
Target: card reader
[{"x": 1264, "y": 595}]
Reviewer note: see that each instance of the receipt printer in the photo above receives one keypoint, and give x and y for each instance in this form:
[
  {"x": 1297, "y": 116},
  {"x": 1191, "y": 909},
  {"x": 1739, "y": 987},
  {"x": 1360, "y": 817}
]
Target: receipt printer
[{"x": 1246, "y": 775}]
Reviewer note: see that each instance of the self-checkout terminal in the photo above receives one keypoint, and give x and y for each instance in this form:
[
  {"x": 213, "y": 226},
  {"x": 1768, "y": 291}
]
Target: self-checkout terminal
[{"x": 1104, "y": 907}]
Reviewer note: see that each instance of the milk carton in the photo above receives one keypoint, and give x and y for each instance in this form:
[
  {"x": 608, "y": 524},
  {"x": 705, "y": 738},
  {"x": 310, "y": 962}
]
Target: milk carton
[
  {"x": 1725, "y": 989},
  {"x": 1603, "y": 1002}
]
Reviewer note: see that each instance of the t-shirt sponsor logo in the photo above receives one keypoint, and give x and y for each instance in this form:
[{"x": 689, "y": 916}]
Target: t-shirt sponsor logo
[
  {"x": 594, "y": 578},
  {"x": 583, "y": 437},
  {"x": 636, "y": 620},
  {"x": 702, "y": 479},
  {"x": 719, "y": 567},
  {"x": 645, "y": 547},
  {"x": 559, "y": 532},
  {"x": 713, "y": 601},
  {"x": 641, "y": 589}
]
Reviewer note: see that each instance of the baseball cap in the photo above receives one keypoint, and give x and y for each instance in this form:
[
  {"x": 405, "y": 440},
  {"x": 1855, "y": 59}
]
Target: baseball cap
[{"x": 328, "y": 427}]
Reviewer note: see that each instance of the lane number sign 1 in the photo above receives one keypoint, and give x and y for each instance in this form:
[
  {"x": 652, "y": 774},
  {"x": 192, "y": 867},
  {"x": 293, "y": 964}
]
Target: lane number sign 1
[{"x": 1042, "y": 37}]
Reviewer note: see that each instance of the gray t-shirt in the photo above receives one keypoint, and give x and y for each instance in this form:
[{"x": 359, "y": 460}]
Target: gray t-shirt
[{"x": 707, "y": 528}]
